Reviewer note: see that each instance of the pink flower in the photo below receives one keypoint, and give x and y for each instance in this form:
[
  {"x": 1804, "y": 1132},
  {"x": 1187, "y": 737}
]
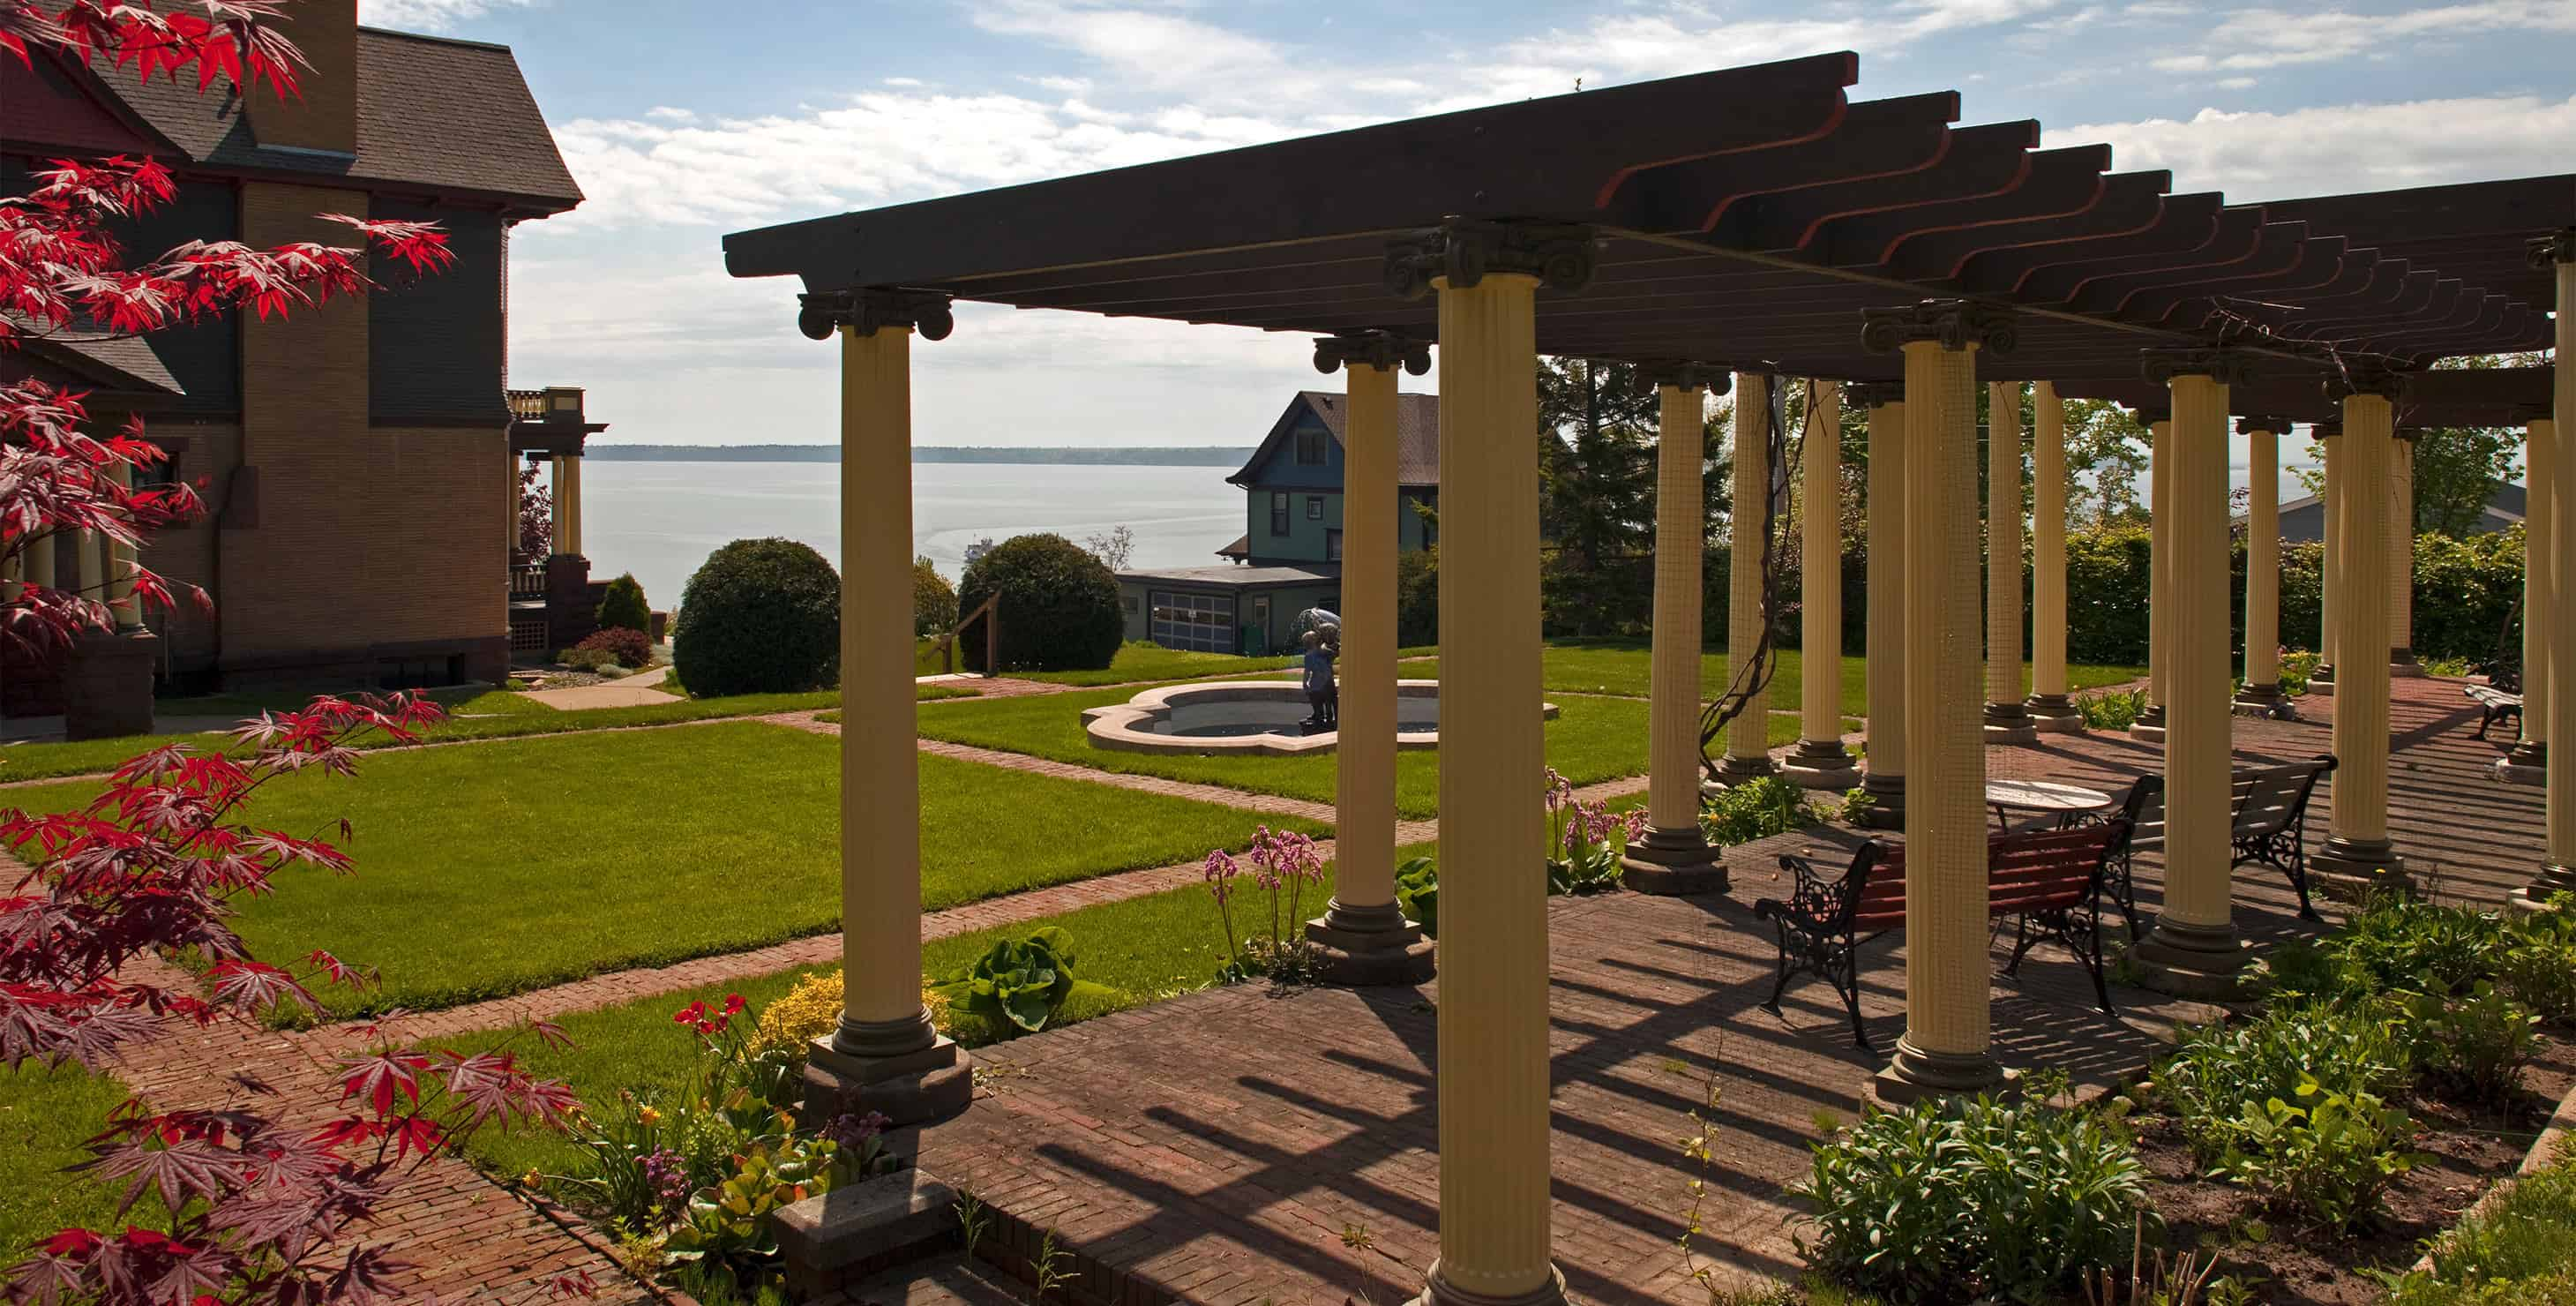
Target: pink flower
[{"x": 1220, "y": 870}]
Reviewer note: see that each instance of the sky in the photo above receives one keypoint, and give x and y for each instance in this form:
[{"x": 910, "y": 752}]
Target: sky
[{"x": 684, "y": 120}]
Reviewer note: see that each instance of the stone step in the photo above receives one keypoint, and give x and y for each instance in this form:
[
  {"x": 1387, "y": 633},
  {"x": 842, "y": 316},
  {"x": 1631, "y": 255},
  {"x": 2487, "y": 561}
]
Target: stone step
[{"x": 949, "y": 1280}]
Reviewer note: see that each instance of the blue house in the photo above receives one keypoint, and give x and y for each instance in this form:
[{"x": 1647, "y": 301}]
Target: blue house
[{"x": 1290, "y": 556}]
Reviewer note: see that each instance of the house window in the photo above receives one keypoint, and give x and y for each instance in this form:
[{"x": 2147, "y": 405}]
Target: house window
[
  {"x": 1278, "y": 512},
  {"x": 1310, "y": 448},
  {"x": 1332, "y": 546},
  {"x": 1201, "y": 622},
  {"x": 1314, "y": 507}
]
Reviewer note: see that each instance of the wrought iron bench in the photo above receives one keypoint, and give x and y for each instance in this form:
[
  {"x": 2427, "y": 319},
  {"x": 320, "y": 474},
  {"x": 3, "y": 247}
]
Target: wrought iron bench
[
  {"x": 2268, "y": 823},
  {"x": 2494, "y": 705},
  {"x": 2049, "y": 881}
]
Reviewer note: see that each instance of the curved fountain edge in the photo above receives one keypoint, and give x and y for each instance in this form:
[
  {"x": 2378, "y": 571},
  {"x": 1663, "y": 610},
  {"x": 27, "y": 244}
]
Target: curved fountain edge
[{"x": 1115, "y": 727}]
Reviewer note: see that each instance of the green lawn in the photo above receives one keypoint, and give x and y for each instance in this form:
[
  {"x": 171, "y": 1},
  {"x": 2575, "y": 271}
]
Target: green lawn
[
  {"x": 483, "y": 872},
  {"x": 1592, "y": 739},
  {"x": 1140, "y": 950},
  {"x": 1620, "y": 667},
  {"x": 45, "y": 1116}
]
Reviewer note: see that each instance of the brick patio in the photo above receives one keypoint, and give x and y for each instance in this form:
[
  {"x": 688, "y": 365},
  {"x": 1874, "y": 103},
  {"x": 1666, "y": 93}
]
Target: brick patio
[{"x": 1244, "y": 1145}]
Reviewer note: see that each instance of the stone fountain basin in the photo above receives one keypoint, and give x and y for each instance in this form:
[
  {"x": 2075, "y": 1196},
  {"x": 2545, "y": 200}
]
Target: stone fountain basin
[{"x": 1248, "y": 718}]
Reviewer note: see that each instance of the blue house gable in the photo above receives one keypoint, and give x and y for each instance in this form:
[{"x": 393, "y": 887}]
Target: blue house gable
[{"x": 1293, "y": 482}]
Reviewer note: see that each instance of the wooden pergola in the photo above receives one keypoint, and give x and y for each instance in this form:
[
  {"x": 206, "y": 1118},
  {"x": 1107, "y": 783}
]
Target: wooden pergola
[{"x": 1728, "y": 227}]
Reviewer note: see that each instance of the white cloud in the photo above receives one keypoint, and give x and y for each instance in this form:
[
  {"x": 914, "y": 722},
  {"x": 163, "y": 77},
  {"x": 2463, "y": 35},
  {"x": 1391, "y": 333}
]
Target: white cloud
[
  {"x": 2339, "y": 149},
  {"x": 665, "y": 113},
  {"x": 428, "y": 15},
  {"x": 2236, "y": 83},
  {"x": 2250, "y": 39}
]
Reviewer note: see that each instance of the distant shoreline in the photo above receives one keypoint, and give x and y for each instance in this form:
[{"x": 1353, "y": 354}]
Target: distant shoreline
[{"x": 1038, "y": 455}]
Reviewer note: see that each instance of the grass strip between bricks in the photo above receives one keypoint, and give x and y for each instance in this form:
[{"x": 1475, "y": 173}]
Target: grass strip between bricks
[{"x": 484, "y": 872}]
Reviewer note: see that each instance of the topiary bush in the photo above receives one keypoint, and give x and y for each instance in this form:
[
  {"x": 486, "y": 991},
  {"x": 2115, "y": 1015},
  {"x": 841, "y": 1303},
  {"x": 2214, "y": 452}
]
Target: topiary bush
[
  {"x": 628, "y": 647},
  {"x": 934, "y": 600},
  {"x": 622, "y": 607},
  {"x": 1059, "y": 608},
  {"x": 764, "y": 618}
]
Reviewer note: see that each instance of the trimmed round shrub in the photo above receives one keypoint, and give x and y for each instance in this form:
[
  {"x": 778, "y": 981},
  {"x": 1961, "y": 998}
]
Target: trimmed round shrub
[
  {"x": 622, "y": 607},
  {"x": 1059, "y": 607},
  {"x": 628, "y": 647},
  {"x": 934, "y": 600},
  {"x": 764, "y": 618}
]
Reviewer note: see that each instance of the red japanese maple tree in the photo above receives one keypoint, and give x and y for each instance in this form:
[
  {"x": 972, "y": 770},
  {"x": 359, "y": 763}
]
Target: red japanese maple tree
[{"x": 243, "y": 1207}]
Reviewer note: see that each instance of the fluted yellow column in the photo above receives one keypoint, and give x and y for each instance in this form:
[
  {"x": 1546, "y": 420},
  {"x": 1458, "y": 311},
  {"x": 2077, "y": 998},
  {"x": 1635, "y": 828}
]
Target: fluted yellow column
[
  {"x": 2401, "y": 557},
  {"x": 886, "y": 1055},
  {"x": 2150, "y": 725},
  {"x": 1363, "y": 934},
  {"x": 2528, "y": 763},
  {"x": 89, "y": 561},
  {"x": 2328, "y": 437},
  {"x": 1748, "y": 743},
  {"x": 122, "y": 607},
  {"x": 1947, "y": 1023},
  {"x": 1883, "y": 666},
  {"x": 2359, "y": 852},
  {"x": 2262, "y": 692},
  {"x": 40, "y": 562},
  {"x": 1821, "y": 761},
  {"x": 2193, "y": 949},
  {"x": 2006, "y": 722},
  {"x": 1494, "y": 1215},
  {"x": 2051, "y": 708},
  {"x": 1675, "y": 857},
  {"x": 559, "y": 494},
  {"x": 2558, "y": 865}
]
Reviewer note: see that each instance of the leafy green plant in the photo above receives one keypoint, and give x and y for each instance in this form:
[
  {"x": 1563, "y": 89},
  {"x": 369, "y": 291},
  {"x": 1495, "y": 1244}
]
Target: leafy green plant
[
  {"x": 2539, "y": 966},
  {"x": 2111, "y": 709},
  {"x": 2218, "y": 1069},
  {"x": 1019, "y": 984},
  {"x": 2296, "y": 668},
  {"x": 1756, "y": 809},
  {"x": 2330, "y": 1156},
  {"x": 731, "y": 1223},
  {"x": 2477, "y": 1045},
  {"x": 2402, "y": 944},
  {"x": 642, "y": 1154},
  {"x": 1945, "y": 1201},
  {"x": 1585, "y": 841},
  {"x": 2519, "y": 1249},
  {"x": 587, "y": 659},
  {"x": 622, "y": 606},
  {"x": 1417, "y": 891}
]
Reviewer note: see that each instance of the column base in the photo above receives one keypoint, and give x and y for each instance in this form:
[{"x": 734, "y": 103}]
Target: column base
[
  {"x": 2527, "y": 764},
  {"x": 2192, "y": 961},
  {"x": 930, "y": 1083},
  {"x": 1369, "y": 947},
  {"x": 2263, "y": 700},
  {"x": 2535, "y": 896},
  {"x": 2322, "y": 680},
  {"x": 2054, "y": 714},
  {"x": 1886, "y": 810},
  {"x": 1674, "y": 864},
  {"x": 2146, "y": 733},
  {"x": 1914, "y": 1074},
  {"x": 2007, "y": 723},
  {"x": 1733, "y": 770},
  {"x": 107, "y": 685},
  {"x": 1821, "y": 764},
  {"x": 2402, "y": 664},
  {"x": 2359, "y": 866},
  {"x": 1440, "y": 1292}
]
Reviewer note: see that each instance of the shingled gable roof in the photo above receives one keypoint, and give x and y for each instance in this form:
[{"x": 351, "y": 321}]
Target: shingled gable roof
[
  {"x": 1417, "y": 435},
  {"x": 434, "y": 114}
]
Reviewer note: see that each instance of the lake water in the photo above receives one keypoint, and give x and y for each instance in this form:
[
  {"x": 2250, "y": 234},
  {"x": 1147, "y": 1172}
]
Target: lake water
[{"x": 659, "y": 520}]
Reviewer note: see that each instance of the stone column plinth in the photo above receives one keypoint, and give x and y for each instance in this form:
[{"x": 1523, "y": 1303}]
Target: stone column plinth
[
  {"x": 1883, "y": 669},
  {"x": 2051, "y": 707},
  {"x": 2193, "y": 949},
  {"x": 2150, "y": 725},
  {"x": 1675, "y": 857},
  {"x": 2528, "y": 763},
  {"x": 1364, "y": 936},
  {"x": 2358, "y": 854},
  {"x": 1947, "y": 1021},
  {"x": 1748, "y": 736},
  {"x": 1820, "y": 760},
  {"x": 2261, "y": 695},
  {"x": 1493, "y": 1017},
  {"x": 107, "y": 684},
  {"x": 886, "y": 1055},
  {"x": 2006, "y": 720},
  {"x": 2558, "y": 858}
]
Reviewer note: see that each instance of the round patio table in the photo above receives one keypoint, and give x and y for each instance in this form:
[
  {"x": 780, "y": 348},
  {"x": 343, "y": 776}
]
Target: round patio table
[{"x": 2067, "y": 803}]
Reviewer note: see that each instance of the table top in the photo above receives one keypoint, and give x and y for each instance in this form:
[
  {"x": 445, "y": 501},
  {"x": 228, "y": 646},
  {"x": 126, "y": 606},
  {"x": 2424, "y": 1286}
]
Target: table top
[{"x": 2044, "y": 796}]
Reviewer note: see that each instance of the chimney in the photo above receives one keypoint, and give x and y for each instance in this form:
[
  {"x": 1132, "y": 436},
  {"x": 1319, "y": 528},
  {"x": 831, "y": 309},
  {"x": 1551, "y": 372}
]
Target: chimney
[{"x": 324, "y": 116}]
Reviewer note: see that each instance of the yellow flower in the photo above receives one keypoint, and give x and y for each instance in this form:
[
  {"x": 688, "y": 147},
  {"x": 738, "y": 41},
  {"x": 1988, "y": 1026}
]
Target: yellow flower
[
  {"x": 649, "y": 1116},
  {"x": 532, "y": 1179}
]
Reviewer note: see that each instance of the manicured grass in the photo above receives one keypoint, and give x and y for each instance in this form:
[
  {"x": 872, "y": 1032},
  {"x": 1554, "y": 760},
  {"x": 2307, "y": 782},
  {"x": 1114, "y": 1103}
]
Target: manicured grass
[
  {"x": 2521, "y": 1248},
  {"x": 45, "y": 1116},
  {"x": 1621, "y": 667},
  {"x": 1592, "y": 739},
  {"x": 483, "y": 872},
  {"x": 1144, "y": 660},
  {"x": 492, "y": 714},
  {"x": 1138, "y": 951}
]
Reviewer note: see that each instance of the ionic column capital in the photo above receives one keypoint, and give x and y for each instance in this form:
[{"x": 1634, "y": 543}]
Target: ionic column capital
[
  {"x": 2557, "y": 247},
  {"x": 1461, "y": 251},
  {"x": 1950, "y": 323},
  {"x": 1385, "y": 350},
  {"x": 2264, "y": 425},
  {"x": 865, "y": 310},
  {"x": 2364, "y": 379},
  {"x": 1682, "y": 374},
  {"x": 2149, "y": 414},
  {"x": 1873, "y": 394},
  {"x": 2325, "y": 430},
  {"x": 2224, "y": 366}
]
